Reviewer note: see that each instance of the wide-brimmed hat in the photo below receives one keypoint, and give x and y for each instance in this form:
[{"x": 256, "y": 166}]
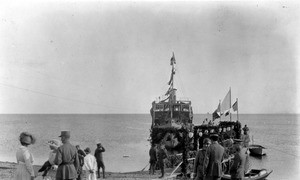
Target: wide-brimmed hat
[
  {"x": 54, "y": 143},
  {"x": 66, "y": 134},
  {"x": 87, "y": 150},
  {"x": 27, "y": 138}
]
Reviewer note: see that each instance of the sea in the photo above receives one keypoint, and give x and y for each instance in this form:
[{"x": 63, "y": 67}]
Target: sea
[{"x": 126, "y": 138}]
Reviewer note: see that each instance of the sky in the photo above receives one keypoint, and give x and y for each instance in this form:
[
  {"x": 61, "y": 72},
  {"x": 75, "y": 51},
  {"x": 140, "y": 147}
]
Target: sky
[{"x": 114, "y": 57}]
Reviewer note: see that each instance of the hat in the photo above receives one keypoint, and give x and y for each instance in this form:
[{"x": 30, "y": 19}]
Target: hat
[
  {"x": 66, "y": 134},
  {"x": 98, "y": 144},
  {"x": 237, "y": 141},
  {"x": 87, "y": 150},
  {"x": 54, "y": 143},
  {"x": 27, "y": 138},
  {"x": 214, "y": 135}
]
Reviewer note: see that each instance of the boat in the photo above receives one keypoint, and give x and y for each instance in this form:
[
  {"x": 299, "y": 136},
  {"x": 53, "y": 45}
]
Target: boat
[
  {"x": 257, "y": 150},
  {"x": 171, "y": 118},
  {"x": 253, "y": 174}
]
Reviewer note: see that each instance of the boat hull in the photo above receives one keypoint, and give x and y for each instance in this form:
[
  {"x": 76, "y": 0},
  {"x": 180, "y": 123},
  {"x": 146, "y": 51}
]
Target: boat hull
[
  {"x": 254, "y": 174},
  {"x": 257, "y": 150}
]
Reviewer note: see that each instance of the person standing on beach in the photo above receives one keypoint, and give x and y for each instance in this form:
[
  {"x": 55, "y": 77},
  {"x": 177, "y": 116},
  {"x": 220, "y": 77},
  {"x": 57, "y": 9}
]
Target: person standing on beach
[
  {"x": 198, "y": 165},
  {"x": 161, "y": 156},
  {"x": 66, "y": 159},
  {"x": 90, "y": 165},
  {"x": 237, "y": 170},
  {"x": 98, "y": 155},
  {"x": 246, "y": 138},
  {"x": 81, "y": 155},
  {"x": 153, "y": 159},
  {"x": 24, "y": 158},
  {"x": 213, "y": 159}
]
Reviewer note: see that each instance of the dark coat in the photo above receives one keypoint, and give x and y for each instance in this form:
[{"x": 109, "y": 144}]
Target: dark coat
[
  {"x": 199, "y": 165},
  {"x": 98, "y": 154},
  {"x": 237, "y": 169},
  {"x": 161, "y": 155},
  {"x": 152, "y": 154},
  {"x": 67, "y": 161},
  {"x": 213, "y": 160}
]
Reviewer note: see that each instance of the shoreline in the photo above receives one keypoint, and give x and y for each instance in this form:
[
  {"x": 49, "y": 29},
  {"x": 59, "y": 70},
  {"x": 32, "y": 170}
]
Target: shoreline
[{"x": 7, "y": 172}]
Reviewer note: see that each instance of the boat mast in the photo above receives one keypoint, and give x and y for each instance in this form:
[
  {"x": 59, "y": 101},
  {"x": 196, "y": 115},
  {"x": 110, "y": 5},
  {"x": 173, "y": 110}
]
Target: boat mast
[
  {"x": 172, "y": 91},
  {"x": 237, "y": 109}
]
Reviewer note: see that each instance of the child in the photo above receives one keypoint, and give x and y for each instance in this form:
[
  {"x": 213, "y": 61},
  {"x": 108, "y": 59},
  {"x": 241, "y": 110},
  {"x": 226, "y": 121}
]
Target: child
[
  {"x": 53, "y": 145},
  {"x": 90, "y": 165}
]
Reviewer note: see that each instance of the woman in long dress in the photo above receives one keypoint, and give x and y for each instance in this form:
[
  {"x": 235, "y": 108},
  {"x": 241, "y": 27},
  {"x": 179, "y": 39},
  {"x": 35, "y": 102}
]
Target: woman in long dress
[{"x": 24, "y": 158}]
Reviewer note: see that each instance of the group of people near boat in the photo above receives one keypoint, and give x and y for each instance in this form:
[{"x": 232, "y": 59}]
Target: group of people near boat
[
  {"x": 208, "y": 161},
  {"x": 68, "y": 161}
]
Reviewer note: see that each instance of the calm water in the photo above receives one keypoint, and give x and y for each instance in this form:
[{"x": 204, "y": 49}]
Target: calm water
[{"x": 128, "y": 134}]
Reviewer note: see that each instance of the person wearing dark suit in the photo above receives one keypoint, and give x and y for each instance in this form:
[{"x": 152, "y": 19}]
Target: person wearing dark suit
[
  {"x": 81, "y": 155},
  {"x": 99, "y": 157},
  {"x": 153, "y": 159},
  {"x": 198, "y": 164},
  {"x": 161, "y": 154},
  {"x": 67, "y": 159},
  {"x": 237, "y": 170},
  {"x": 213, "y": 159}
]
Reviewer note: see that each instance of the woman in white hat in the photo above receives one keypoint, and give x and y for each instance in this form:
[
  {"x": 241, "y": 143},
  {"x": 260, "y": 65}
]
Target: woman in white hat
[
  {"x": 53, "y": 145},
  {"x": 24, "y": 158}
]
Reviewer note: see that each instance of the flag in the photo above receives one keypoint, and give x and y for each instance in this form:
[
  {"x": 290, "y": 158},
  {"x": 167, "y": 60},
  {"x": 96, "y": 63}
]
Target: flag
[
  {"x": 226, "y": 103},
  {"x": 235, "y": 106},
  {"x": 171, "y": 78},
  {"x": 173, "y": 61},
  {"x": 227, "y": 113},
  {"x": 216, "y": 114}
]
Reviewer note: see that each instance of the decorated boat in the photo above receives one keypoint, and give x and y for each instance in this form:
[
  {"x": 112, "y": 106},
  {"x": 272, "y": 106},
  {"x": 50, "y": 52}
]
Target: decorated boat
[
  {"x": 172, "y": 124},
  {"x": 171, "y": 117}
]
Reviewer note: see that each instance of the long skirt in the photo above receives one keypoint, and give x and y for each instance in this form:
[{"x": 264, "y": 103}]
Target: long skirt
[{"x": 22, "y": 173}]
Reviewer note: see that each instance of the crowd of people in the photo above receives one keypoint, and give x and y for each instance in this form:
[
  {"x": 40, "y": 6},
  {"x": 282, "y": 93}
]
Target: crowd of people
[
  {"x": 208, "y": 161},
  {"x": 67, "y": 160}
]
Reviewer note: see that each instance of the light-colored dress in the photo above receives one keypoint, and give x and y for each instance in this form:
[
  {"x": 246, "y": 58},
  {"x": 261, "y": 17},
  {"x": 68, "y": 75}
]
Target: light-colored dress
[
  {"x": 90, "y": 163},
  {"x": 24, "y": 164}
]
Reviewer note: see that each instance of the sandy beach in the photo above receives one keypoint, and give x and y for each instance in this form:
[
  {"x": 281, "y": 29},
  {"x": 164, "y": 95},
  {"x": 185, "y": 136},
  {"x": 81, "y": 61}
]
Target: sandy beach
[{"x": 7, "y": 171}]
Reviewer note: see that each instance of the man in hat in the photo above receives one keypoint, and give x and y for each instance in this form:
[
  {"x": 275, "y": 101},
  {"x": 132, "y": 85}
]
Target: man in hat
[
  {"x": 213, "y": 159},
  {"x": 66, "y": 159},
  {"x": 198, "y": 164},
  {"x": 237, "y": 169},
  {"x": 90, "y": 165},
  {"x": 98, "y": 155},
  {"x": 81, "y": 155}
]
